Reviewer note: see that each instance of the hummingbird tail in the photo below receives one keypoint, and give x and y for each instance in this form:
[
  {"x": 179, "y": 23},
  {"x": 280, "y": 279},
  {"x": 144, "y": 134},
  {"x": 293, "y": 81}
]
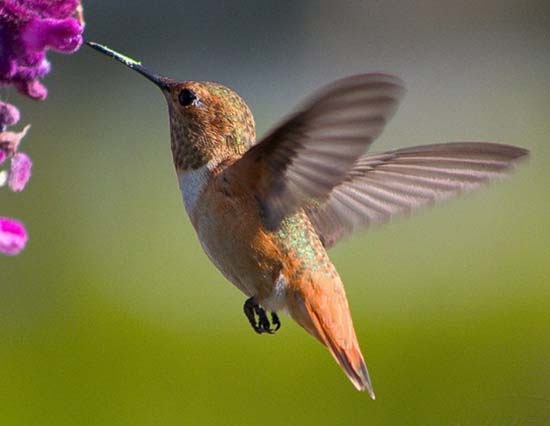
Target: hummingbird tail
[
  {"x": 348, "y": 355},
  {"x": 332, "y": 325}
]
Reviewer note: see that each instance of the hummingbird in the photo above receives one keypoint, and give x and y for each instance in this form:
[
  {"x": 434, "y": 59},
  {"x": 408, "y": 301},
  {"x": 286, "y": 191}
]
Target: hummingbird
[{"x": 266, "y": 211}]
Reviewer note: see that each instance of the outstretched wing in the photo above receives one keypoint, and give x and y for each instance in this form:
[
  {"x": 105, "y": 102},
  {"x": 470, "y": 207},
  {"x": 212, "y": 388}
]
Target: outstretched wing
[
  {"x": 314, "y": 150},
  {"x": 382, "y": 186}
]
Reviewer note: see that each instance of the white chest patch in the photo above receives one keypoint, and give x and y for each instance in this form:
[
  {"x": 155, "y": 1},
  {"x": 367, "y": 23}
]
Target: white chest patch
[
  {"x": 192, "y": 183},
  {"x": 277, "y": 299}
]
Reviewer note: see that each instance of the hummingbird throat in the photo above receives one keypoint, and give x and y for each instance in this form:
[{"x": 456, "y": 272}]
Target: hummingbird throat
[
  {"x": 219, "y": 132},
  {"x": 191, "y": 149}
]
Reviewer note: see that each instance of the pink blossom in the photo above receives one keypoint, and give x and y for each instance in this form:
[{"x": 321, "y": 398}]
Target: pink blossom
[
  {"x": 13, "y": 236},
  {"x": 9, "y": 115},
  {"x": 20, "y": 172}
]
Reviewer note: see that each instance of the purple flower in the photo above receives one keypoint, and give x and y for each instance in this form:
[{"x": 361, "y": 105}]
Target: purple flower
[
  {"x": 20, "y": 172},
  {"x": 28, "y": 28},
  {"x": 63, "y": 35},
  {"x": 9, "y": 115},
  {"x": 13, "y": 236}
]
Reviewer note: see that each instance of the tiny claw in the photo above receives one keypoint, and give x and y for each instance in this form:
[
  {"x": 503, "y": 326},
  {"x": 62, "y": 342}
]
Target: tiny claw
[
  {"x": 276, "y": 322},
  {"x": 261, "y": 324},
  {"x": 249, "y": 308},
  {"x": 263, "y": 321}
]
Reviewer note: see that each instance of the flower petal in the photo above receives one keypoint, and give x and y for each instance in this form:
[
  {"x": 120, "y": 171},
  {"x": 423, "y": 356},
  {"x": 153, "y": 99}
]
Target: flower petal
[
  {"x": 33, "y": 89},
  {"x": 13, "y": 236},
  {"x": 63, "y": 35},
  {"x": 20, "y": 172},
  {"x": 53, "y": 8},
  {"x": 9, "y": 115}
]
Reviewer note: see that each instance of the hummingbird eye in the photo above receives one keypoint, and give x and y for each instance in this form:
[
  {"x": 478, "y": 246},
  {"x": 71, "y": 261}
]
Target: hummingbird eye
[{"x": 187, "y": 97}]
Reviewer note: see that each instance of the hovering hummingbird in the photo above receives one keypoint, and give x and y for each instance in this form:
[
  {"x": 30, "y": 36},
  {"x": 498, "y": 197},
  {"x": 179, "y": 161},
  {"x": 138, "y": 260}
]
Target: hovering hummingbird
[{"x": 267, "y": 211}]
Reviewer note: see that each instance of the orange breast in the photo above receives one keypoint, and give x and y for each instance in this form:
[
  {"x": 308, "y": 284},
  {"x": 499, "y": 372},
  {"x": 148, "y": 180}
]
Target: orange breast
[{"x": 227, "y": 220}]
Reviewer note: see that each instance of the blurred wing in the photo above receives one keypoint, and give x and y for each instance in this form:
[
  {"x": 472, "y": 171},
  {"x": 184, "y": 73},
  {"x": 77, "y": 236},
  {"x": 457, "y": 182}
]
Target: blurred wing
[
  {"x": 393, "y": 183},
  {"x": 315, "y": 149}
]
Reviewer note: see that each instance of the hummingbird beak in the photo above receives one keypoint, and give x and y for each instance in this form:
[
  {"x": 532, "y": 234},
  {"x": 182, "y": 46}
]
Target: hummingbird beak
[{"x": 161, "y": 82}]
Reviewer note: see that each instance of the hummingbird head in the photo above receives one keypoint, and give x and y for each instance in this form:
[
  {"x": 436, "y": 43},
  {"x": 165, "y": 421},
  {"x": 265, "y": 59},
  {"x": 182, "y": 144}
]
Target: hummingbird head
[{"x": 209, "y": 122}]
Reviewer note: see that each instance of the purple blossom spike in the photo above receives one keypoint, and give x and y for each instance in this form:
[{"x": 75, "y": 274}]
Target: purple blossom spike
[
  {"x": 28, "y": 28},
  {"x": 13, "y": 236},
  {"x": 20, "y": 172}
]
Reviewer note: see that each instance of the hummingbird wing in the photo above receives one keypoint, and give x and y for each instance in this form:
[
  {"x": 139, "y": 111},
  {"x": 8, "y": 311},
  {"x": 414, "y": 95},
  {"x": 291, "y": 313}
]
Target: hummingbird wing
[
  {"x": 382, "y": 186},
  {"x": 314, "y": 150}
]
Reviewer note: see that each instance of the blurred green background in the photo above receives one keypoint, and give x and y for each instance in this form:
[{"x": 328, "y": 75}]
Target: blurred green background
[{"x": 114, "y": 316}]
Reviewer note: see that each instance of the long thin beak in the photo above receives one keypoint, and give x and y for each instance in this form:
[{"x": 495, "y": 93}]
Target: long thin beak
[{"x": 161, "y": 82}]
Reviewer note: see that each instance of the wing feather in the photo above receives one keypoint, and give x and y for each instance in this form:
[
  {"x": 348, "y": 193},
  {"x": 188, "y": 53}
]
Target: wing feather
[
  {"x": 394, "y": 183},
  {"x": 314, "y": 150}
]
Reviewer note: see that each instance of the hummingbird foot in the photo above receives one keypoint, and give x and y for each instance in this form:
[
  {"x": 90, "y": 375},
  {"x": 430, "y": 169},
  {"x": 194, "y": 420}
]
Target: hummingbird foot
[
  {"x": 275, "y": 321},
  {"x": 257, "y": 317}
]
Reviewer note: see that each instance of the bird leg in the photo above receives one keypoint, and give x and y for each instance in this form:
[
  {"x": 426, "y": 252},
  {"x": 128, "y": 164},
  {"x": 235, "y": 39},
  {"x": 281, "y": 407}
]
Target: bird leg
[{"x": 258, "y": 319}]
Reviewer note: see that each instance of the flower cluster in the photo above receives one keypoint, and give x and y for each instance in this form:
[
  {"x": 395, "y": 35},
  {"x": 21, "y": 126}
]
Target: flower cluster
[
  {"x": 13, "y": 236},
  {"x": 28, "y": 28}
]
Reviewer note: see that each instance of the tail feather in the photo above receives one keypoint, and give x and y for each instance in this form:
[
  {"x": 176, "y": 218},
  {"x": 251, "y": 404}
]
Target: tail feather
[
  {"x": 348, "y": 355},
  {"x": 323, "y": 311}
]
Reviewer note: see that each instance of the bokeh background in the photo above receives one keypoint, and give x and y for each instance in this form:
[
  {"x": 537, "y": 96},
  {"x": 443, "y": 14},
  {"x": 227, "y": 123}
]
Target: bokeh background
[{"x": 114, "y": 316}]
